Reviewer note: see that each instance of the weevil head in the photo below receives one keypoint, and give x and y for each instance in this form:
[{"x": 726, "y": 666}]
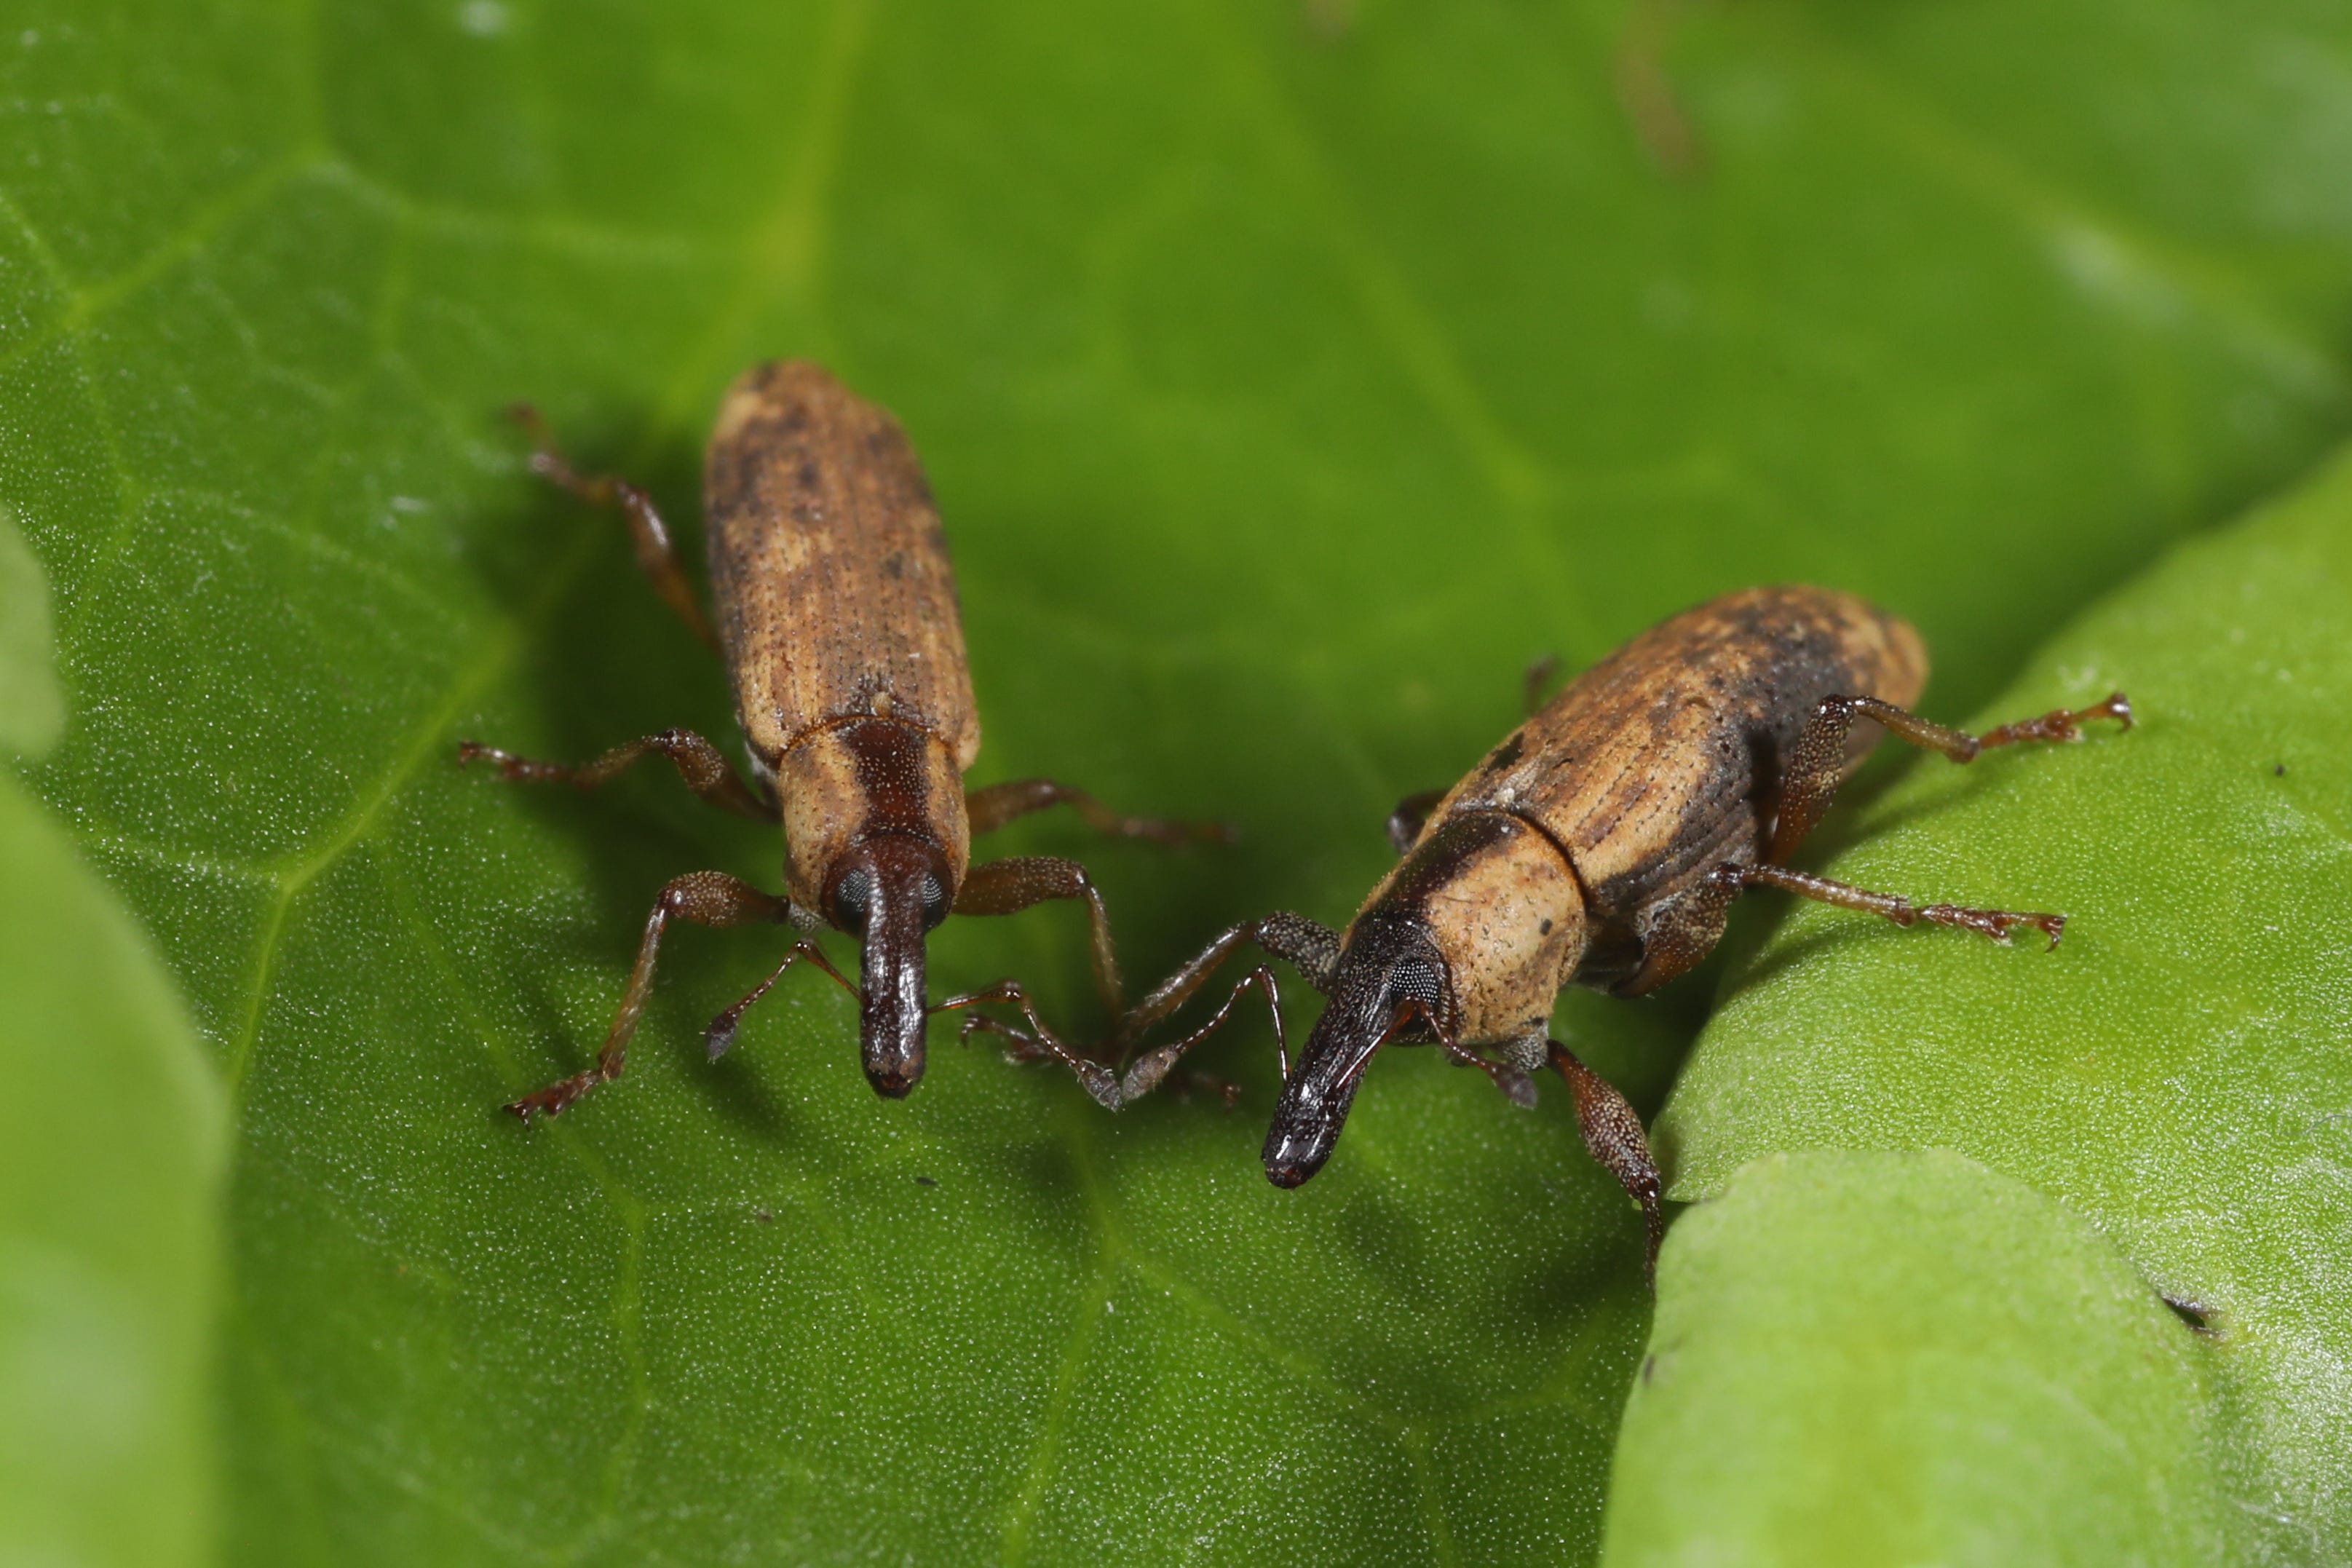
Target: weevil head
[
  {"x": 1392, "y": 985},
  {"x": 889, "y": 890}
]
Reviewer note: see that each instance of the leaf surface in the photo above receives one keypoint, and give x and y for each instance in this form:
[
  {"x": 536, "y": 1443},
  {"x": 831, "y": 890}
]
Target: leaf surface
[{"x": 1290, "y": 376}]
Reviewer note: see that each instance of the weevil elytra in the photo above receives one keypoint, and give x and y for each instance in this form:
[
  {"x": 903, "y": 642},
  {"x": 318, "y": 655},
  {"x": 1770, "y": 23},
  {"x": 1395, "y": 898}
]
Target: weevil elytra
[
  {"x": 1599, "y": 844},
  {"x": 838, "y": 622}
]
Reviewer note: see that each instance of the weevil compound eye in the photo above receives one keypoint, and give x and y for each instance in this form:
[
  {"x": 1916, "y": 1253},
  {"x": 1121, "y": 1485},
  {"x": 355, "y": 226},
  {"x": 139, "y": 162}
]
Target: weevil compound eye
[
  {"x": 853, "y": 896},
  {"x": 935, "y": 901}
]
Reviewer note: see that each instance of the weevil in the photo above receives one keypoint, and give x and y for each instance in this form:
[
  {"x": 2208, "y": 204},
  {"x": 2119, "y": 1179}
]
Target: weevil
[
  {"x": 1600, "y": 844},
  {"x": 837, "y": 619}
]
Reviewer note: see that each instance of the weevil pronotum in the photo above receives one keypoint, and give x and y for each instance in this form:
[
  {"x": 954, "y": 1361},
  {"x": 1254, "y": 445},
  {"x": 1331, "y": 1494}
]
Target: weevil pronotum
[
  {"x": 838, "y": 622},
  {"x": 1601, "y": 844}
]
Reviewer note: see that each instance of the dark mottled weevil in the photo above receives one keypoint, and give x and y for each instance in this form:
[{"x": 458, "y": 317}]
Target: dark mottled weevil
[
  {"x": 1600, "y": 844},
  {"x": 838, "y": 622}
]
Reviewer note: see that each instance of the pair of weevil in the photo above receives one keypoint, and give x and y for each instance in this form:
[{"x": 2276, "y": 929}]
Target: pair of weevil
[{"x": 1601, "y": 843}]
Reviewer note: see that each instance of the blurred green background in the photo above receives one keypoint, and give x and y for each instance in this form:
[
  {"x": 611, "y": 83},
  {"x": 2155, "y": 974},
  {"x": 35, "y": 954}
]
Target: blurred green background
[{"x": 1291, "y": 375}]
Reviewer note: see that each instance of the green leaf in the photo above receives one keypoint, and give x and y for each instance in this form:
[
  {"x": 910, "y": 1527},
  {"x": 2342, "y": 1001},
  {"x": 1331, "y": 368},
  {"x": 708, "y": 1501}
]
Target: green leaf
[
  {"x": 1906, "y": 1358},
  {"x": 32, "y": 707},
  {"x": 112, "y": 1138},
  {"x": 1291, "y": 375},
  {"x": 2175, "y": 1072}
]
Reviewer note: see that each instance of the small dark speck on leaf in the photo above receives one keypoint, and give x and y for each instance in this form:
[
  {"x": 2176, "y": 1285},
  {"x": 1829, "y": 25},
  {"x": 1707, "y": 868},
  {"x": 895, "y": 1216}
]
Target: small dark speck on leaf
[
  {"x": 2195, "y": 1316},
  {"x": 2279, "y": 771},
  {"x": 1649, "y": 1365},
  {"x": 925, "y": 1181},
  {"x": 763, "y": 1217}
]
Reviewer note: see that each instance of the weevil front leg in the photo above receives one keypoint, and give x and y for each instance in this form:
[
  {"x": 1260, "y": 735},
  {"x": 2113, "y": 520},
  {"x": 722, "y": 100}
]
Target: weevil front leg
[
  {"x": 1036, "y": 1044},
  {"x": 1818, "y": 764},
  {"x": 1687, "y": 928},
  {"x": 1307, "y": 946},
  {"x": 706, "y": 898},
  {"x": 1614, "y": 1133},
  {"x": 701, "y": 764},
  {"x": 1009, "y": 886},
  {"x": 657, "y": 552},
  {"x": 993, "y": 807}
]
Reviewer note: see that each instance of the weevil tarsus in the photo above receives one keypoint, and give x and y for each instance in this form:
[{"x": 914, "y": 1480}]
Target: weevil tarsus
[
  {"x": 656, "y": 552},
  {"x": 704, "y": 897}
]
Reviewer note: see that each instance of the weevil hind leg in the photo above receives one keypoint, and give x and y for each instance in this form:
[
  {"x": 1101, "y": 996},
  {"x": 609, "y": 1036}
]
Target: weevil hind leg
[
  {"x": 1685, "y": 928},
  {"x": 993, "y": 807},
  {"x": 1819, "y": 763},
  {"x": 704, "y": 768},
  {"x": 705, "y": 898},
  {"x": 1614, "y": 1133},
  {"x": 656, "y": 552}
]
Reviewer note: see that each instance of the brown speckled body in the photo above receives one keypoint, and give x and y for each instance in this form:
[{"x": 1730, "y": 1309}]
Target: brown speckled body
[
  {"x": 837, "y": 607},
  {"x": 1657, "y": 765}
]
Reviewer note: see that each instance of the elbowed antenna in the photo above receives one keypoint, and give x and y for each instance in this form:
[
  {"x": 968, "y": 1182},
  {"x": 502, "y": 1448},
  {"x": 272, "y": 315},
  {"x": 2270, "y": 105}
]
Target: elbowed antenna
[{"x": 1392, "y": 984}]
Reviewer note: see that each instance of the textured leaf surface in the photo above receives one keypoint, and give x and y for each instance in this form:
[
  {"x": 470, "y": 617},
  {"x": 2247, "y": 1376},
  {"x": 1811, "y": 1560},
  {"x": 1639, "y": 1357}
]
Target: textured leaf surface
[
  {"x": 2177, "y": 1072},
  {"x": 1906, "y": 1358},
  {"x": 1290, "y": 375}
]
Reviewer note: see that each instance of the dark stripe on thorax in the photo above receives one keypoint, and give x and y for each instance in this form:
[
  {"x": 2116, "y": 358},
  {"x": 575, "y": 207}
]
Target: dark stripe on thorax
[{"x": 891, "y": 775}]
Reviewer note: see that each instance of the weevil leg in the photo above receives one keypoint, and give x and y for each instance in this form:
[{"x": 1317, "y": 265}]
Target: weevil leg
[
  {"x": 1148, "y": 1071},
  {"x": 1038, "y": 1043},
  {"x": 1686, "y": 929},
  {"x": 721, "y": 1035},
  {"x": 1310, "y": 948},
  {"x": 1516, "y": 1086},
  {"x": 656, "y": 552},
  {"x": 1411, "y": 816},
  {"x": 706, "y": 771},
  {"x": 1009, "y": 886},
  {"x": 1614, "y": 1135},
  {"x": 1819, "y": 764},
  {"x": 998, "y": 803},
  {"x": 706, "y": 898}
]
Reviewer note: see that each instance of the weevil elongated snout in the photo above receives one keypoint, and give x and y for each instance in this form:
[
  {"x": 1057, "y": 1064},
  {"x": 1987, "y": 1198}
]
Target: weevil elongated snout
[
  {"x": 891, "y": 890},
  {"x": 1391, "y": 985}
]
